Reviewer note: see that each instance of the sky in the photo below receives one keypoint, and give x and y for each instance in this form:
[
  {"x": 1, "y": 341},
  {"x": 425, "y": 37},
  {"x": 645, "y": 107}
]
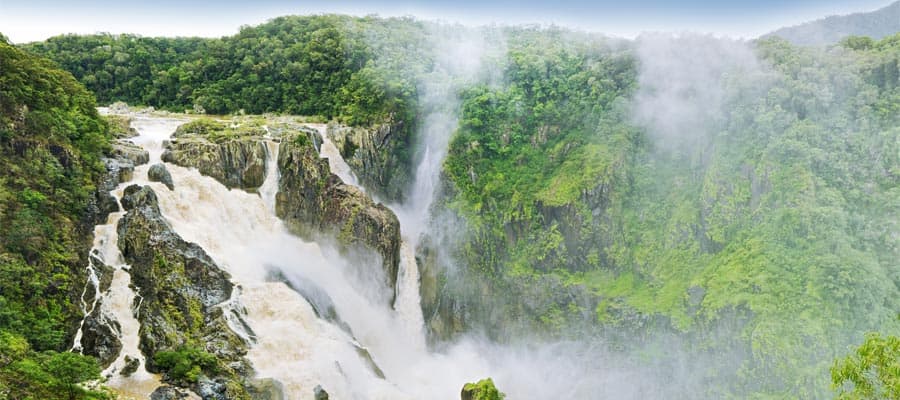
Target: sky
[{"x": 33, "y": 20}]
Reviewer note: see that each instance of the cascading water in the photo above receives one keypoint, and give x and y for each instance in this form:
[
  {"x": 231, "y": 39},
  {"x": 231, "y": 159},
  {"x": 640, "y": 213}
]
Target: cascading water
[
  {"x": 120, "y": 303},
  {"x": 94, "y": 282},
  {"x": 365, "y": 350},
  {"x": 407, "y": 303}
]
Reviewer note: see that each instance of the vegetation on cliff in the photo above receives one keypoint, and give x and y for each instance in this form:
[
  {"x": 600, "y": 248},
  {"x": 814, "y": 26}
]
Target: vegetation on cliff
[
  {"x": 772, "y": 218},
  {"x": 774, "y": 224},
  {"x": 51, "y": 141}
]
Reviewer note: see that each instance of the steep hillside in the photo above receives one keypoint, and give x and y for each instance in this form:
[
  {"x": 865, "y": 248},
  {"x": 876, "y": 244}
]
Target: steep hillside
[
  {"x": 672, "y": 199},
  {"x": 875, "y": 24},
  {"x": 51, "y": 141},
  {"x": 764, "y": 206}
]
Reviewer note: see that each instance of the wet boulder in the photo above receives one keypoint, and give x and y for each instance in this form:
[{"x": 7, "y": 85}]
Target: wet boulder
[{"x": 159, "y": 173}]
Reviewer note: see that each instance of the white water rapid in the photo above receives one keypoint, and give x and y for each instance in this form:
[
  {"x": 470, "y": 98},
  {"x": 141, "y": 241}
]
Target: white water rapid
[
  {"x": 293, "y": 345},
  {"x": 120, "y": 303},
  {"x": 295, "y": 339},
  {"x": 407, "y": 304}
]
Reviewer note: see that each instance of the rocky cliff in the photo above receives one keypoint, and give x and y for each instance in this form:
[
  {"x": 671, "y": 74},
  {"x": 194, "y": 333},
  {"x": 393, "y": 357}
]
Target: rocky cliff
[
  {"x": 312, "y": 200},
  {"x": 182, "y": 292},
  {"x": 379, "y": 156},
  {"x": 236, "y": 163}
]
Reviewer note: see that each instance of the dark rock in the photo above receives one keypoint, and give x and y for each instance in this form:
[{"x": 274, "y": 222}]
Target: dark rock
[
  {"x": 182, "y": 289},
  {"x": 120, "y": 169},
  {"x": 237, "y": 163},
  {"x": 168, "y": 393},
  {"x": 136, "y": 196},
  {"x": 319, "y": 393},
  {"x": 159, "y": 173},
  {"x": 313, "y": 201},
  {"x": 100, "y": 336},
  {"x": 131, "y": 366},
  {"x": 101, "y": 202},
  {"x": 378, "y": 155}
]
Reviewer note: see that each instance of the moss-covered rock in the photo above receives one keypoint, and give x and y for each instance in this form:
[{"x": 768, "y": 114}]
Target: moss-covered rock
[
  {"x": 237, "y": 163},
  {"x": 481, "y": 390},
  {"x": 120, "y": 126},
  {"x": 313, "y": 201},
  {"x": 181, "y": 290},
  {"x": 124, "y": 149}
]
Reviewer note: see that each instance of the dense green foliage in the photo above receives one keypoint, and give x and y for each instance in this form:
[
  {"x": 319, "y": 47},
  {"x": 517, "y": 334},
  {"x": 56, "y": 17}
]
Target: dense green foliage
[
  {"x": 781, "y": 215},
  {"x": 322, "y": 65},
  {"x": 360, "y": 71},
  {"x": 25, "y": 374},
  {"x": 873, "y": 372},
  {"x": 481, "y": 390},
  {"x": 774, "y": 221},
  {"x": 51, "y": 141},
  {"x": 186, "y": 363}
]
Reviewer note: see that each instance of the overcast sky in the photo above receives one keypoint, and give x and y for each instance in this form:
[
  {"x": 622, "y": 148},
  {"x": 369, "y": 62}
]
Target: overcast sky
[{"x": 30, "y": 20}]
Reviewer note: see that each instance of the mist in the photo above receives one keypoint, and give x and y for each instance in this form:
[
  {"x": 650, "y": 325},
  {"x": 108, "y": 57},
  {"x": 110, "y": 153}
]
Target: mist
[
  {"x": 683, "y": 85},
  {"x": 676, "y": 216}
]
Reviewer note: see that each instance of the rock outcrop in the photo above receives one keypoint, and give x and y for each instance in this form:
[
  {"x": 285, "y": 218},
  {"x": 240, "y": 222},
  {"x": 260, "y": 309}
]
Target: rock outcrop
[
  {"x": 311, "y": 200},
  {"x": 159, "y": 173},
  {"x": 482, "y": 390},
  {"x": 236, "y": 163},
  {"x": 379, "y": 156},
  {"x": 182, "y": 291},
  {"x": 100, "y": 336},
  {"x": 126, "y": 150},
  {"x": 168, "y": 393}
]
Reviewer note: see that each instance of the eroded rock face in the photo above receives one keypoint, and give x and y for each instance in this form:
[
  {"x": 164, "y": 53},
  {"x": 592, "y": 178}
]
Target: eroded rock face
[
  {"x": 237, "y": 163},
  {"x": 182, "y": 289},
  {"x": 312, "y": 200},
  {"x": 379, "y": 156}
]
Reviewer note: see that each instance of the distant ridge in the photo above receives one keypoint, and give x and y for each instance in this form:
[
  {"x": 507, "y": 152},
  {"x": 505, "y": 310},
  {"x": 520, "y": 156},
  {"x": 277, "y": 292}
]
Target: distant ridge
[{"x": 876, "y": 24}]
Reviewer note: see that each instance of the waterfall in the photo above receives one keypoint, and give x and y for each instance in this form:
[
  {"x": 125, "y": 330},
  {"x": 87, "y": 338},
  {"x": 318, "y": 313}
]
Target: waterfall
[
  {"x": 94, "y": 282},
  {"x": 120, "y": 303},
  {"x": 336, "y": 163},
  {"x": 270, "y": 185},
  {"x": 347, "y": 354},
  {"x": 407, "y": 303}
]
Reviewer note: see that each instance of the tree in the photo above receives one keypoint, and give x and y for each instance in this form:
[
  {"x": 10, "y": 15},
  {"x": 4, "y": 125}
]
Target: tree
[
  {"x": 873, "y": 372},
  {"x": 69, "y": 369}
]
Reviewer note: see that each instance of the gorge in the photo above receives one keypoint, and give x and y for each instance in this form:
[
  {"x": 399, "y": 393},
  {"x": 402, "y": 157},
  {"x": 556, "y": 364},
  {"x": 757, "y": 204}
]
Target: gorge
[{"x": 331, "y": 206}]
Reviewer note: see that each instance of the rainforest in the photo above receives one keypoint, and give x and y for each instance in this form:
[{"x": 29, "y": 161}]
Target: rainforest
[{"x": 363, "y": 207}]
